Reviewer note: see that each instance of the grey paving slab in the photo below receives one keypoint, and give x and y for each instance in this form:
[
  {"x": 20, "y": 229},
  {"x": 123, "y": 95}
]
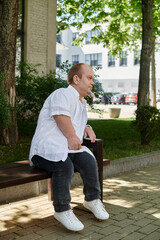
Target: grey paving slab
[{"x": 132, "y": 200}]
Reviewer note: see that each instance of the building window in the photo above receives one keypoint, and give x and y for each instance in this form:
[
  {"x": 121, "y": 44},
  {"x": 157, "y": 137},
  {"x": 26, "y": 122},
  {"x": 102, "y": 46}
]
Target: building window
[
  {"x": 134, "y": 86},
  {"x": 74, "y": 36},
  {"x": 91, "y": 35},
  {"x": 123, "y": 60},
  {"x": 59, "y": 38},
  {"x": 75, "y": 59},
  {"x": 58, "y": 60},
  {"x": 137, "y": 56},
  {"x": 111, "y": 61},
  {"x": 120, "y": 86},
  {"x": 94, "y": 60}
]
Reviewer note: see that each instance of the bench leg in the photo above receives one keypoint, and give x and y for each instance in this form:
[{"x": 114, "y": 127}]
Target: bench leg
[{"x": 50, "y": 191}]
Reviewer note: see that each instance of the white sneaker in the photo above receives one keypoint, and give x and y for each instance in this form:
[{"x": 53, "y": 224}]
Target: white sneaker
[
  {"x": 97, "y": 208},
  {"x": 69, "y": 220}
]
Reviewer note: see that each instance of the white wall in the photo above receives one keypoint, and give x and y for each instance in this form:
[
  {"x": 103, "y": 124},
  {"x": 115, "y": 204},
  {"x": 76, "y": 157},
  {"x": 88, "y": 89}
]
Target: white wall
[{"x": 40, "y": 33}]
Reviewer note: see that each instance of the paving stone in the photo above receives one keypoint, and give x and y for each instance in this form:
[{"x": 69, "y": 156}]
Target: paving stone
[
  {"x": 120, "y": 216},
  {"x": 92, "y": 236},
  {"x": 157, "y": 222},
  {"x": 154, "y": 236},
  {"x": 124, "y": 223},
  {"x": 151, "y": 210},
  {"x": 143, "y": 222},
  {"x": 129, "y": 229},
  {"x": 156, "y": 215},
  {"x": 108, "y": 230},
  {"x": 48, "y": 230},
  {"x": 148, "y": 229},
  {"x": 134, "y": 210},
  {"x": 29, "y": 237},
  {"x": 113, "y": 236},
  {"x": 135, "y": 236},
  {"x": 88, "y": 230},
  {"x": 137, "y": 216}
]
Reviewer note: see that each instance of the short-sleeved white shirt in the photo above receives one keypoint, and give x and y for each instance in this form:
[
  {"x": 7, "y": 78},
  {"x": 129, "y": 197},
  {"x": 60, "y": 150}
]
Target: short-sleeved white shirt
[{"x": 48, "y": 140}]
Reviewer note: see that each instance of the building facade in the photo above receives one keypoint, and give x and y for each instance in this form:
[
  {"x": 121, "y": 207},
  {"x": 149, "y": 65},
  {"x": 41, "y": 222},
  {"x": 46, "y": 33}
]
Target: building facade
[
  {"x": 36, "y": 41},
  {"x": 115, "y": 74}
]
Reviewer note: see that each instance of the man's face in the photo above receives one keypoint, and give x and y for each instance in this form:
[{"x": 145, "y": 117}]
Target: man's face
[{"x": 85, "y": 83}]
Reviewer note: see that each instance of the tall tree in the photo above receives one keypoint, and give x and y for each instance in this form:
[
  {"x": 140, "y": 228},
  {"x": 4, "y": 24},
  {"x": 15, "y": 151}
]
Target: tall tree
[
  {"x": 8, "y": 30},
  {"x": 147, "y": 48}
]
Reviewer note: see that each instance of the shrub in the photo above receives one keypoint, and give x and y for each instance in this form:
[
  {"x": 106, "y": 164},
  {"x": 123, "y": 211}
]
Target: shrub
[
  {"x": 147, "y": 123},
  {"x": 32, "y": 90}
]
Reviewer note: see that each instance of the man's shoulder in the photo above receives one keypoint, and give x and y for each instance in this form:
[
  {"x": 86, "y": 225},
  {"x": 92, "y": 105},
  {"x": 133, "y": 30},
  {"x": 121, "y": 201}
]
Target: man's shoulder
[{"x": 59, "y": 91}]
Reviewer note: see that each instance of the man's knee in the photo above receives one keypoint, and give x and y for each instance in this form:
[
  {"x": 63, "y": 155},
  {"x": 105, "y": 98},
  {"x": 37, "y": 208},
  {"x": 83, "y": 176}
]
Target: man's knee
[
  {"x": 86, "y": 162},
  {"x": 66, "y": 168}
]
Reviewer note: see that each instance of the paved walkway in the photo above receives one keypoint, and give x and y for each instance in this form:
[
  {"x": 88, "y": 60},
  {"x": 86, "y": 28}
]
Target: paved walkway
[
  {"x": 127, "y": 111},
  {"x": 132, "y": 200}
]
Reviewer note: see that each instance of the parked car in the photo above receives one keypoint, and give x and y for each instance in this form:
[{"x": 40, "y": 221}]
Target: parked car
[
  {"x": 106, "y": 98},
  {"x": 118, "y": 98},
  {"x": 131, "y": 98},
  {"x": 158, "y": 97},
  {"x": 97, "y": 100}
]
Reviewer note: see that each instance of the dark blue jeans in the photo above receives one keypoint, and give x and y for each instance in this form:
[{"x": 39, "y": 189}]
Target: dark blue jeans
[{"x": 62, "y": 173}]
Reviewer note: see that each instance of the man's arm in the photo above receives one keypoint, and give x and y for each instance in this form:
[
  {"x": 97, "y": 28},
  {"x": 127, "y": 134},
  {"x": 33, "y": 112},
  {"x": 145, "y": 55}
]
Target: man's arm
[
  {"x": 88, "y": 131},
  {"x": 65, "y": 125}
]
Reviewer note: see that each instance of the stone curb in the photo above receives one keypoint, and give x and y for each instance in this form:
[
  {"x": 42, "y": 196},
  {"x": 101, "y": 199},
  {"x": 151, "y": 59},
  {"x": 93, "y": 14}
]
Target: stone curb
[{"x": 132, "y": 163}]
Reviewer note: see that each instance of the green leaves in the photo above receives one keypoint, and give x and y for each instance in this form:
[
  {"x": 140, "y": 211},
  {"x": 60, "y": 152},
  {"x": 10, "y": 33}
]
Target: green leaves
[{"x": 121, "y": 20}]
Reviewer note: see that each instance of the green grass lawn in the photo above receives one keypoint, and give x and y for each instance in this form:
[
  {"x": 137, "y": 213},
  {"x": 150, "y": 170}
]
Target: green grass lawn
[
  {"x": 120, "y": 139},
  {"x": 119, "y": 136}
]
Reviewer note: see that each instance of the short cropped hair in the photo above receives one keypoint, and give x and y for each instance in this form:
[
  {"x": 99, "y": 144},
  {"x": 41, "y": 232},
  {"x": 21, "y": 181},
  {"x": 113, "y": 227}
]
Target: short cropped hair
[{"x": 75, "y": 70}]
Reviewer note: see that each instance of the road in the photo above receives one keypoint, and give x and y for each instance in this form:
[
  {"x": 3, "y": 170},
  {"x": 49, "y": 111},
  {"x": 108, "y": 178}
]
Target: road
[{"x": 127, "y": 111}]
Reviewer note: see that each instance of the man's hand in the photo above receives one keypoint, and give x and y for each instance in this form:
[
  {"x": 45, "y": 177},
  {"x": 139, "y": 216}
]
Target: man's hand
[
  {"x": 65, "y": 125},
  {"x": 74, "y": 143},
  {"x": 88, "y": 131}
]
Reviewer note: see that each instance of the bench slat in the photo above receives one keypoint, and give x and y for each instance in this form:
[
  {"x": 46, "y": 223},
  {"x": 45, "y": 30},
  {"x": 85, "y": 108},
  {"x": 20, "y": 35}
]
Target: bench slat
[{"x": 17, "y": 173}]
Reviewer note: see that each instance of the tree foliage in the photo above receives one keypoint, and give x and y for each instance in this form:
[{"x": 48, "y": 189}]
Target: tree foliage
[
  {"x": 123, "y": 24},
  {"x": 120, "y": 21}
]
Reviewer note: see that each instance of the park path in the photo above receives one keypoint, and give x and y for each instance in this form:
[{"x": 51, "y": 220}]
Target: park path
[{"x": 132, "y": 200}]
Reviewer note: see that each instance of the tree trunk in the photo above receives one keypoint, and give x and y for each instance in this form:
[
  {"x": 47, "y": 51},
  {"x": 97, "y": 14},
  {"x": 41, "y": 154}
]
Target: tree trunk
[
  {"x": 8, "y": 32},
  {"x": 153, "y": 77},
  {"x": 147, "y": 47}
]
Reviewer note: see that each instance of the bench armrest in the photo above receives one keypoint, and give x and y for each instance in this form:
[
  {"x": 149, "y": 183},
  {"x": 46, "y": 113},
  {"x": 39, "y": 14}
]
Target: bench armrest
[{"x": 97, "y": 148}]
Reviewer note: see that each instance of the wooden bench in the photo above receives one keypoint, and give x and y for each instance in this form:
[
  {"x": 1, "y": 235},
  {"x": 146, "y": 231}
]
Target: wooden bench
[{"x": 16, "y": 173}]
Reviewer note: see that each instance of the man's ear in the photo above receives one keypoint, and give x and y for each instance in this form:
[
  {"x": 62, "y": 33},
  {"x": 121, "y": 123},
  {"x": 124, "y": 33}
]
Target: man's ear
[{"x": 76, "y": 79}]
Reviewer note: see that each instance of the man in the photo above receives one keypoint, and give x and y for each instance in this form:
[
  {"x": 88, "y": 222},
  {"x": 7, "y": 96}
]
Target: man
[{"x": 57, "y": 146}]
